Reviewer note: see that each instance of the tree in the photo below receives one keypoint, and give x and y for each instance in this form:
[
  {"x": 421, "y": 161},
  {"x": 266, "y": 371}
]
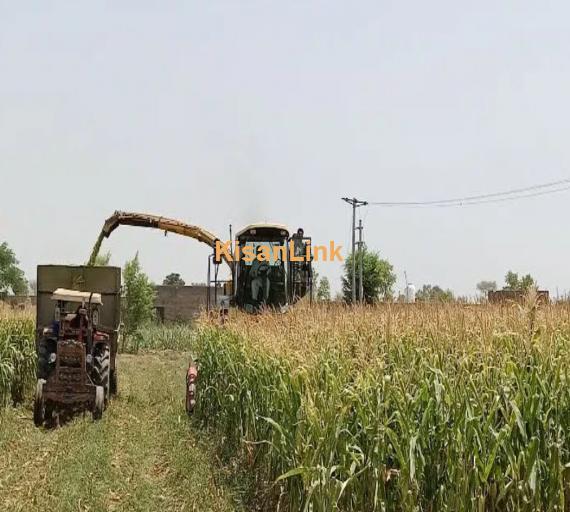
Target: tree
[
  {"x": 514, "y": 283},
  {"x": 33, "y": 286},
  {"x": 511, "y": 281},
  {"x": 378, "y": 277},
  {"x": 12, "y": 278},
  {"x": 138, "y": 298},
  {"x": 484, "y": 287},
  {"x": 429, "y": 293},
  {"x": 102, "y": 260},
  {"x": 324, "y": 290},
  {"x": 315, "y": 282},
  {"x": 173, "y": 279},
  {"x": 527, "y": 282}
]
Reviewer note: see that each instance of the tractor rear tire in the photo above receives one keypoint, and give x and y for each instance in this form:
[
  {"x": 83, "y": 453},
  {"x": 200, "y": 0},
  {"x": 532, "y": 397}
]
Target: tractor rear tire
[
  {"x": 102, "y": 370},
  {"x": 43, "y": 359},
  {"x": 99, "y": 404},
  {"x": 39, "y": 404},
  {"x": 114, "y": 384}
]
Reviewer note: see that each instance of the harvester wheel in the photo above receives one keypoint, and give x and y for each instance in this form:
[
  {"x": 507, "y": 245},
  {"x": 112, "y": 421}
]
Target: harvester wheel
[
  {"x": 99, "y": 405},
  {"x": 102, "y": 369},
  {"x": 39, "y": 404}
]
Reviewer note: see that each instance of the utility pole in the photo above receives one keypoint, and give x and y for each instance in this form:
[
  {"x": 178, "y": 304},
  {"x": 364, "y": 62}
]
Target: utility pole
[
  {"x": 361, "y": 262},
  {"x": 355, "y": 203}
]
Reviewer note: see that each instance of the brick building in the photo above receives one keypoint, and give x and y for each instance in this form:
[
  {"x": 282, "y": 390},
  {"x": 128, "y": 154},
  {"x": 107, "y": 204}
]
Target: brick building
[
  {"x": 179, "y": 303},
  {"x": 518, "y": 296}
]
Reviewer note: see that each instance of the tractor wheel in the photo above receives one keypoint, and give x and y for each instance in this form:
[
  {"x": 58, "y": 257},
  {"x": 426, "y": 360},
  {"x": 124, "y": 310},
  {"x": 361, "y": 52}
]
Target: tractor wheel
[
  {"x": 39, "y": 404},
  {"x": 43, "y": 359},
  {"x": 48, "y": 415},
  {"x": 102, "y": 369},
  {"x": 114, "y": 384},
  {"x": 99, "y": 405}
]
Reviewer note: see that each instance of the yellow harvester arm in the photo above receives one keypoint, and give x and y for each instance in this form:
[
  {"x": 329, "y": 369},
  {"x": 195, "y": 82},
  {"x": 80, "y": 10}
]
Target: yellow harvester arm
[{"x": 153, "y": 221}]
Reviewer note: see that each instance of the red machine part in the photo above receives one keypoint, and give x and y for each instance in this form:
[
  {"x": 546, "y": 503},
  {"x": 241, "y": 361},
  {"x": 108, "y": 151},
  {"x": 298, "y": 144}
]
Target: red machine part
[{"x": 191, "y": 378}]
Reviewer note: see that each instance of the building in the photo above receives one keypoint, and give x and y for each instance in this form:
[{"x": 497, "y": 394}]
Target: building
[
  {"x": 518, "y": 296},
  {"x": 179, "y": 303}
]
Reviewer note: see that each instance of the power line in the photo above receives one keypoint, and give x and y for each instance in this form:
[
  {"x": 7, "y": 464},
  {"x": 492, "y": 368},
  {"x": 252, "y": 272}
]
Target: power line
[
  {"x": 473, "y": 203},
  {"x": 497, "y": 197}
]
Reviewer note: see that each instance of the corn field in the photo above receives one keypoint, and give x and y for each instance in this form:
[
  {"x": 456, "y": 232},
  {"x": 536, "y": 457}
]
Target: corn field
[
  {"x": 402, "y": 407},
  {"x": 17, "y": 355}
]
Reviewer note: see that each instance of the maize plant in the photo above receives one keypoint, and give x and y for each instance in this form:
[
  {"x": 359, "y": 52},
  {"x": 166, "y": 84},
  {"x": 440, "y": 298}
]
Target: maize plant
[
  {"x": 17, "y": 356},
  {"x": 402, "y": 407}
]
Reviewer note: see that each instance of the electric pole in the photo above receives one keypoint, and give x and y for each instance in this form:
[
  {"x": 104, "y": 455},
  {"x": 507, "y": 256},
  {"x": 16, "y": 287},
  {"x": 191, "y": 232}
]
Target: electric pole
[
  {"x": 361, "y": 262},
  {"x": 355, "y": 204}
]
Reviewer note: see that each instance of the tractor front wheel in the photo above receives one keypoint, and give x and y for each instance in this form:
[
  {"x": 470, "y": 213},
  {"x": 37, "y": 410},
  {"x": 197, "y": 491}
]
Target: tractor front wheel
[
  {"x": 99, "y": 404},
  {"x": 44, "y": 351},
  {"x": 39, "y": 404}
]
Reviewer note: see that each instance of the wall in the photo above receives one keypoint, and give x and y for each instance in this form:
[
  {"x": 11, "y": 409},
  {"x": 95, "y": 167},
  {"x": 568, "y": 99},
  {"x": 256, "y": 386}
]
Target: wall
[
  {"x": 179, "y": 303},
  {"x": 501, "y": 296}
]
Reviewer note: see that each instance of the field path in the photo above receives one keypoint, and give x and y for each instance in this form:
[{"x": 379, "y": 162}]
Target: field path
[{"x": 143, "y": 455}]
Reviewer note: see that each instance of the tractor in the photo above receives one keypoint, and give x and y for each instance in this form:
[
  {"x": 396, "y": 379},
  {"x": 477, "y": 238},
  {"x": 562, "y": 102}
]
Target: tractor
[{"x": 75, "y": 348}]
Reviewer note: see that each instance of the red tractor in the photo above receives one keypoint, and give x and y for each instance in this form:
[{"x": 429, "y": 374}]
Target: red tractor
[{"x": 74, "y": 358}]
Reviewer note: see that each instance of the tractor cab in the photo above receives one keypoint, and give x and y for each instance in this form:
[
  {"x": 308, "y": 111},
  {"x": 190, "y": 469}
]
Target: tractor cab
[{"x": 76, "y": 316}]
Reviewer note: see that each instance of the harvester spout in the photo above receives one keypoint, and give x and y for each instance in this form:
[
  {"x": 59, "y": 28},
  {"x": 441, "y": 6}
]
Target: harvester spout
[{"x": 153, "y": 221}]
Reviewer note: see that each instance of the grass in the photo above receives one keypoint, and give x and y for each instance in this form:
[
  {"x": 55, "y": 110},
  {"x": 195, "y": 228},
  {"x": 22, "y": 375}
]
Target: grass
[
  {"x": 395, "y": 407},
  {"x": 142, "y": 456},
  {"x": 151, "y": 336}
]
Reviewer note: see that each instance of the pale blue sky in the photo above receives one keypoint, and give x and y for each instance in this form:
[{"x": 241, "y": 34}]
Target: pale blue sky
[{"x": 219, "y": 112}]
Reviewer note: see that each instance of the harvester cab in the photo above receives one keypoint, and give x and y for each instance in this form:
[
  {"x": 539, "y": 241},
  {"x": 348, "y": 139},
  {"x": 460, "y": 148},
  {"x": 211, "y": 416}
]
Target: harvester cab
[
  {"x": 271, "y": 269},
  {"x": 75, "y": 353}
]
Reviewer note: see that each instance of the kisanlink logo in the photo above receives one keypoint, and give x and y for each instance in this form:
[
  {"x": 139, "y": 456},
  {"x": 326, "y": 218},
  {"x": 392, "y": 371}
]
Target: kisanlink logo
[{"x": 272, "y": 252}]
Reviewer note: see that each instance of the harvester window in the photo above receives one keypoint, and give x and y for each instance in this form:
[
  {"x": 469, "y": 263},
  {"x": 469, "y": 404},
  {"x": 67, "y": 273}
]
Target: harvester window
[{"x": 275, "y": 256}]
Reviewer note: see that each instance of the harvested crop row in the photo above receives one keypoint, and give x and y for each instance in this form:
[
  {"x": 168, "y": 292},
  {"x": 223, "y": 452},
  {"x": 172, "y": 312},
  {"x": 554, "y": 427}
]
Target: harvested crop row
[{"x": 395, "y": 408}]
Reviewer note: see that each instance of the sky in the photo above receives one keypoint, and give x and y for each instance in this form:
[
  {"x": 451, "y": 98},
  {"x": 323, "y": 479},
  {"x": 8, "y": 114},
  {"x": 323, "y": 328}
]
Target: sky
[{"x": 226, "y": 112}]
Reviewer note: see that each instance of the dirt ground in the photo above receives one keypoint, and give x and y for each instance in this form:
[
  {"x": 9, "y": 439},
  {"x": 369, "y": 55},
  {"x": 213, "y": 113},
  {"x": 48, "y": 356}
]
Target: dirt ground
[{"x": 143, "y": 456}]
